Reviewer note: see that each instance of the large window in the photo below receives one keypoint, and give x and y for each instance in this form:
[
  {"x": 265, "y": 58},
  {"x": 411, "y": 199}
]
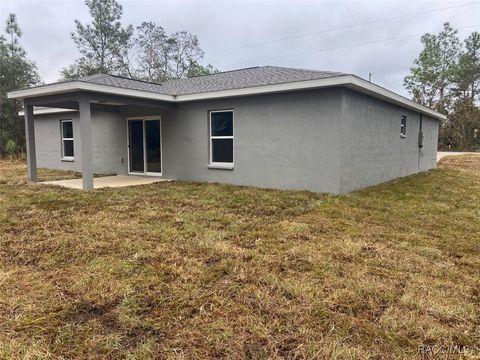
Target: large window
[
  {"x": 67, "y": 139},
  {"x": 221, "y": 138},
  {"x": 403, "y": 126}
]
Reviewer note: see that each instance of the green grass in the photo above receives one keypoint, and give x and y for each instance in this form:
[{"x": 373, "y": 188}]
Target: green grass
[{"x": 193, "y": 271}]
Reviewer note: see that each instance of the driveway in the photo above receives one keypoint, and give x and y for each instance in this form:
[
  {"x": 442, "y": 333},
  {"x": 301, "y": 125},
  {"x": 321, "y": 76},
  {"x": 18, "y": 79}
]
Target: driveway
[{"x": 441, "y": 154}]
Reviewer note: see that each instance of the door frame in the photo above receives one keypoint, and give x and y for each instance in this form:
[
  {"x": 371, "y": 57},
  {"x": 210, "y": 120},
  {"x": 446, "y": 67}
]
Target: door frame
[{"x": 145, "y": 172}]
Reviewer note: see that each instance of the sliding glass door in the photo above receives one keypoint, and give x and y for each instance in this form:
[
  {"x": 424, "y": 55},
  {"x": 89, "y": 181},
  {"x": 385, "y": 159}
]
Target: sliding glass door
[{"x": 145, "y": 146}]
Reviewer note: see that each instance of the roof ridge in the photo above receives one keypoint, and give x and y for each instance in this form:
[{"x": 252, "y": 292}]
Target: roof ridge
[
  {"x": 84, "y": 78},
  {"x": 214, "y": 74},
  {"x": 305, "y": 69},
  {"x": 139, "y": 80},
  {"x": 169, "y": 80},
  {"x": 221, "y": 72}
]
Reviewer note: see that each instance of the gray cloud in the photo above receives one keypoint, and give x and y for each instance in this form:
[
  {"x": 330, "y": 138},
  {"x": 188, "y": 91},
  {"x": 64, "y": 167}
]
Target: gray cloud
[{"x": 225, "y": 24}]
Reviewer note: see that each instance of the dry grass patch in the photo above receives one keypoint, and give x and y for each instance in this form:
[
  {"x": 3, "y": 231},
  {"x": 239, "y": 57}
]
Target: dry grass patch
[{"x": 189, "y": 270}]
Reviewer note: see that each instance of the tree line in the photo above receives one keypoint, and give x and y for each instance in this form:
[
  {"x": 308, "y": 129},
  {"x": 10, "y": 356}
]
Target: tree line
[
  {"x": 446, "y": 78},
  {"x": 445, "y": 75},
  {"x": 145, "y": 52}
]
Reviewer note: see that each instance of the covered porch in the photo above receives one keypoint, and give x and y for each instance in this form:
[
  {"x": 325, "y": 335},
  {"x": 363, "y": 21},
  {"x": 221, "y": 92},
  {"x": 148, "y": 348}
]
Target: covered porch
[{"x": 140, "y": 110}]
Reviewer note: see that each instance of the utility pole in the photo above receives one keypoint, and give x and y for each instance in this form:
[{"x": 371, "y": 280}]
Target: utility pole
[{"x": 370, "y": 77}]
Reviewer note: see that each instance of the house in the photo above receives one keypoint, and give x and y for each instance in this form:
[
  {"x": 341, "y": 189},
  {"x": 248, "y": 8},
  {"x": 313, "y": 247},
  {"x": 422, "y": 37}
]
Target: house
[{"x": 266, "y": 126}]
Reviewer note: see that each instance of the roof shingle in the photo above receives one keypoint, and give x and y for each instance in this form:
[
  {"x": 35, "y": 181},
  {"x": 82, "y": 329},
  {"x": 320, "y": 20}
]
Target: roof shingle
[{"x": 229, "y": 80}]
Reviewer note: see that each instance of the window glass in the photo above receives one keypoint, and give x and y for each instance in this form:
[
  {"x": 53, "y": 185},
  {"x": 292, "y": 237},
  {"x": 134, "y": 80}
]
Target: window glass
[
  {"x": 68, "y": 148},
  {"x": 222, "y": 150},
  {"x": 67, "y": 129},
  {"x": 222, "y": 123}
]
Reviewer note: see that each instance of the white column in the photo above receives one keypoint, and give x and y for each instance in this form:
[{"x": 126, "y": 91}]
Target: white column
[
  {"x": 30, "y": 142},
  {"x": 86, "y": 143}
]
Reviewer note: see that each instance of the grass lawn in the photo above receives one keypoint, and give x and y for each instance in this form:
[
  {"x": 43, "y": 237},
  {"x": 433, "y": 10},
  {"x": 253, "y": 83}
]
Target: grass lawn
[{"x": 193, "y": 271}]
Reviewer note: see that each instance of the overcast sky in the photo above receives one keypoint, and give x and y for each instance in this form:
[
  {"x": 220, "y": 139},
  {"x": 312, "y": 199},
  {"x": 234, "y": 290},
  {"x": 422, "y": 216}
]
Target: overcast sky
[{"x": 325, "y": 35}]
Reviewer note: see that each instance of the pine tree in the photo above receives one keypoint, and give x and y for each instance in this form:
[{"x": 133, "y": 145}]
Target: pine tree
[{"x": 103, "y": 44}]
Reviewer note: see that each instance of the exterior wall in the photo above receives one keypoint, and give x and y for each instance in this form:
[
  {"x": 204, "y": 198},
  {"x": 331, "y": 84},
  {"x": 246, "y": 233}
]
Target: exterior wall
[
  {"x": 109, "y": 139},
  {"x": 287, "y": 141},
  {"x": 330, "y": 140},
  {"x": 373, "y": 150}
]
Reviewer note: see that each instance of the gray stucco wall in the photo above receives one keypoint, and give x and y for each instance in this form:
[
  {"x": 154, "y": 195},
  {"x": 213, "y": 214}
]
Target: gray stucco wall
[
  {"x": 286, "y": 141},
  {"x": 330, "y": 140},
  {"x": 109, "y": 136},
  {"x": 373, "y": 150}
]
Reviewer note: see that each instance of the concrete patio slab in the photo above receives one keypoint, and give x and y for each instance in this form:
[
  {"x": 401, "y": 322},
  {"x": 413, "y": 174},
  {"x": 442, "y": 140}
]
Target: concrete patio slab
[{"x": 107, "y": 181}]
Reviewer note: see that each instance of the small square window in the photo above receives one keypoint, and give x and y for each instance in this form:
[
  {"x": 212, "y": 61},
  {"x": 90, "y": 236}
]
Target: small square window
[{"x": 403, "y": 126}]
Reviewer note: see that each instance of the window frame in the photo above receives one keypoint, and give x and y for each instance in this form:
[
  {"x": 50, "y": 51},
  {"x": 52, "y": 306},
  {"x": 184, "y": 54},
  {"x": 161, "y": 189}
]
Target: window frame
[
  {"x": 63, "y": 139},
  {"x": 211, "y": 163},
  {"x": 403, "y": 126}
]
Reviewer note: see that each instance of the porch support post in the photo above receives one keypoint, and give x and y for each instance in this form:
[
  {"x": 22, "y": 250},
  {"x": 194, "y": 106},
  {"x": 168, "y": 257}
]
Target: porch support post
[
  {"x": 86, "y": 143},
  {"x": 30, "y": 142}
]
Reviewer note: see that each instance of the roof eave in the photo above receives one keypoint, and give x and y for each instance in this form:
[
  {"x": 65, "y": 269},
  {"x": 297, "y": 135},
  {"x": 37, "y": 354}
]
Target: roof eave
[
  {"x": 349, "y": 81},
  {"x": 60, "y": 88},
  {"x": 266, "y": 89},
  {"x": 48, "y": 111},
  {"x": 364, "y": 86}
]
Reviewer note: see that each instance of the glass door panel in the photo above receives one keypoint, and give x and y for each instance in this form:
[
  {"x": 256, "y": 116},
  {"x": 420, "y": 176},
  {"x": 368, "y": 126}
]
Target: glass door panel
[
  {"x": 135, "y": 133},
  {"x": 153, "y": 146}
]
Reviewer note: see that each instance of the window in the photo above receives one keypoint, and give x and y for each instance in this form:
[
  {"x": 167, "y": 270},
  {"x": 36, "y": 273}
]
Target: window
[
  {"x": 221, "y": 138},
  {"x": 67, "y": 139},
  {"x": 403, "y": 126}
]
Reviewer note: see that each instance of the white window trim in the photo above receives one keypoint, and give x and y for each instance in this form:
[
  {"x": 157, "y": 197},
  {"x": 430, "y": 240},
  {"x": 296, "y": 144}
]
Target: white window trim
[
  {"x": 403, "y": 126},
  {"x": 211, "y": 163},
  {"x": 66, "y": 158}
]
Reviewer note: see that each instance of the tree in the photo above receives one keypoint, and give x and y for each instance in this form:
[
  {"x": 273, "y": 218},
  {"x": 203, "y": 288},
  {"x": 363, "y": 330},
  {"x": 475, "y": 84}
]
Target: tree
[
  {"x": 152, "y": 55},
  {"x": 16, "y": 71},
  {"x": 446, "y": 77},
  {"x": 161, "y": 56},
  {"x": 467, "y": 74},
  {"x": 103, "y": 44},
  {"x": 199, "y": 70},
  {"x": 430, "y": 80},
  {"x": 461, "y": 130},
  {"x": 185, "y": 52},
  {"x": 153, "y": 52},
  {"x": 14, "y": 31}
]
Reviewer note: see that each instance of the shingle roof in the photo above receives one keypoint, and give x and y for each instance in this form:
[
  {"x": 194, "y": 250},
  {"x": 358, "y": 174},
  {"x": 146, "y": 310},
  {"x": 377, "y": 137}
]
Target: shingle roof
[
  {"x": 229, "y": 80},
  {"x": 122, "y": 82}
]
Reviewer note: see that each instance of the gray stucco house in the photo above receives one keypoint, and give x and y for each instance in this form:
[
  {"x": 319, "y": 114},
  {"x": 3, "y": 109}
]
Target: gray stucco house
[{"x": 265, "y": 126}]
